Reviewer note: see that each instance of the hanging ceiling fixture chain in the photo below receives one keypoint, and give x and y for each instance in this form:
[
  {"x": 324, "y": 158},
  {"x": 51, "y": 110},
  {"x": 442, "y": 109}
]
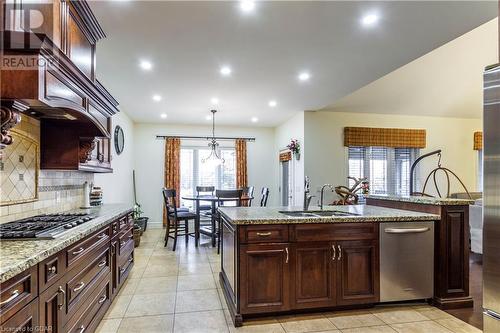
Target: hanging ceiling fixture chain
[{"x": 214, "y": 156}]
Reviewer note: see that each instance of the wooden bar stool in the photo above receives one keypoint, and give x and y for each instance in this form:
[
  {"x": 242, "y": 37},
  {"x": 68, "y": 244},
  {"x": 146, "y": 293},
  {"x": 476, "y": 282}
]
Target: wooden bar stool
[
  {"x": 224, "y": 197},
  {"x": 177, "y": 221},
  {"x": 264, "y": 196}
]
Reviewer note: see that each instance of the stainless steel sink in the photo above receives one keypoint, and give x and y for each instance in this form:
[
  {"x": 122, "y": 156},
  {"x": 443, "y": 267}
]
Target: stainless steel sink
[
  {"x": 298, "y": 214},
  {"x": 320, "y": 213}
]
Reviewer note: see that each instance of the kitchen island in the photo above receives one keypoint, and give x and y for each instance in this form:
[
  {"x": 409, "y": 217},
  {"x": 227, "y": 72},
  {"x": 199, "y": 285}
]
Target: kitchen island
[{"x": 282, "y": 260}]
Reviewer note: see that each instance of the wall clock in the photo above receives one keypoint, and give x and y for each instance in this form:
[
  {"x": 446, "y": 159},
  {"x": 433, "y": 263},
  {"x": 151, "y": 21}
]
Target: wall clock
[{"x": 119, "y": 140}]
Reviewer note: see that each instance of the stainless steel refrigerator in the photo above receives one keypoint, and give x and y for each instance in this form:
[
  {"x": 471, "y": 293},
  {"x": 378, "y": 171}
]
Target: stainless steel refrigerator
[{"x": 491, "y": 200}]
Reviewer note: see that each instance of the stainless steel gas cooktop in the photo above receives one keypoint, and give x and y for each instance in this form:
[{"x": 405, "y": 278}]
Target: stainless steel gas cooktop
[{"x": 42, "y": 226}]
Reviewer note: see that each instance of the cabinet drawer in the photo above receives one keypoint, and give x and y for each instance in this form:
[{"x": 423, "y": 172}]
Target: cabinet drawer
[
  {"x": 83, "y": 250},
  {"x": 86, "y": 276},
  {"x": 334, "y": 231},
  {"x": 124, "y": 267},
  {"x": 17, "y": 293},
  {"x": 50, "y": 270},
  {"x": 88, "y": 318},
  {"x": 125, "y": 222},
  {"x": 25, "y": 320},
  {"x": 264, "y": 234},
  {"x": 125, "y": 240}
]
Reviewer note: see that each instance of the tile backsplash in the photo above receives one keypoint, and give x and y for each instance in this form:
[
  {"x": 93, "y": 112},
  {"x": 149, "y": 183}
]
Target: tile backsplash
[{"x": 57, "y": 190}]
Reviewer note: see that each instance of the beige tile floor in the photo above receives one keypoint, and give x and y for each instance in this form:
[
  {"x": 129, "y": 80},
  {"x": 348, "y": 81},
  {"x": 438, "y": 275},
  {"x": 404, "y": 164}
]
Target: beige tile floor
[{"x": 179, "y": 292}]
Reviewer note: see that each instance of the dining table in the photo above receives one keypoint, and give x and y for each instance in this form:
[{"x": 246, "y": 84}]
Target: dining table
[{"x": 213, "y": 210}]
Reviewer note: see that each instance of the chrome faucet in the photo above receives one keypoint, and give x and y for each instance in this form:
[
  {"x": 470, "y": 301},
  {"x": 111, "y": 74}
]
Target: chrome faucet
[
  {"x": 307, "y": 196},
  {"x": 320, "y": 203}
]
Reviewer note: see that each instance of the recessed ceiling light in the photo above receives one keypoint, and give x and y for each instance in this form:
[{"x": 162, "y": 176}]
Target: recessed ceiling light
[
  {"x": 304, "y": 76},
  {"x": 156, "y": 98},
  {"x": 272, "y": 103},
  {"x": 255, "y": 119},
  {"x": 146, "y": 65},
  {"x": 214, "y": 100},
  {"x": 163, "y": 115},
  {"x": 225, "y": 70},
  {"x": 369, "y": 20},
  {"x": 247, "y": 6}
]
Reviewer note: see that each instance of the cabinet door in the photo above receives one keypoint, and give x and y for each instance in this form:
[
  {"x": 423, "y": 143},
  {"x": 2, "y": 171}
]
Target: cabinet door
[
  {"x": 52, "y": 306},
  {"x": 314, "y": 276},
  {"x": 264, "y": 278},
  {"x": 357, "y": 272}
]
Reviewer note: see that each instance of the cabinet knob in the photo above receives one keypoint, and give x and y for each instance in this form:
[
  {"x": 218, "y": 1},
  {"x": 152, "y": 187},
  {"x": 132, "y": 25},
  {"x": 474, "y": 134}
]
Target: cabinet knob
[{"x": 340, "y": 252}]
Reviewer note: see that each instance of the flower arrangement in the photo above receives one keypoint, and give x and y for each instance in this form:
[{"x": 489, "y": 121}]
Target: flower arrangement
[{"x": 294, "y": 147}]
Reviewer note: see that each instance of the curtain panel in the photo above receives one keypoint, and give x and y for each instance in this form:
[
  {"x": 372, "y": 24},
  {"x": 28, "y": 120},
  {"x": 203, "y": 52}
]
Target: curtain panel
[
  {"x": 241, "y": 163},
  {"x": 478, "y": 140},
  {"x": 172, "y": 169},
  {"x": 384, "y": 137}
]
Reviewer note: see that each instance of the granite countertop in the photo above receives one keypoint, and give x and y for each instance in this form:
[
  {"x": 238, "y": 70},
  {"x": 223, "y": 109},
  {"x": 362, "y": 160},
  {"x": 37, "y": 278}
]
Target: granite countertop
[
  {"x": 364, "y": 213},
  {"x": 18, "y": 255},
  {"x": 423, "y": 200}
]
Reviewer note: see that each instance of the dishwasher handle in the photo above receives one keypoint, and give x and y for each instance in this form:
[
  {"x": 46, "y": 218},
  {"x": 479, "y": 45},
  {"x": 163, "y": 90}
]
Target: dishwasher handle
[{"x": 406, "y": 230}]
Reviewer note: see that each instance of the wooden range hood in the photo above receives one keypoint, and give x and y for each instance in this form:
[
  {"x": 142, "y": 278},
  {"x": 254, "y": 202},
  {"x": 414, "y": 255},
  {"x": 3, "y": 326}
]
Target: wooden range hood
[{"x": 49, "y": 73}]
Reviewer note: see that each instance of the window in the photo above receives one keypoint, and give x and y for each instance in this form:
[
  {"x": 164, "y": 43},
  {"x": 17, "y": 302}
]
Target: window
[
  {"x": 387, "y": 169},
  {"x": 196, "y": 173}
]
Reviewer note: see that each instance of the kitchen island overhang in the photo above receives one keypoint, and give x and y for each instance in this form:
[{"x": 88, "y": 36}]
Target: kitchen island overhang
[{"x": 276, "y": 263}]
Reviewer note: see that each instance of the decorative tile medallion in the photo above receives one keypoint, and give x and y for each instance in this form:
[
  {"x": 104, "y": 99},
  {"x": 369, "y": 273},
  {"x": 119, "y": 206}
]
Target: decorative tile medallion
[{"x": 19, "y": 170}]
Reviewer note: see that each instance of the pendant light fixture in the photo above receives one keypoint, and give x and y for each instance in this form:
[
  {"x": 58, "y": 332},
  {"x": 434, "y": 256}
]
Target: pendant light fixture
[{"x": 214, "y": 156}]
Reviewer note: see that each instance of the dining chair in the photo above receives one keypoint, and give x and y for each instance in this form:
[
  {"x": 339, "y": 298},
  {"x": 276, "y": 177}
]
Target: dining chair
[
  {"x": 178, "y": 220},
  {"x": 222, "y": 200},
  {"x": 205, "y": 190},
  {"x": 264, "y": 195},
  {"x": 247, "y": 192}
]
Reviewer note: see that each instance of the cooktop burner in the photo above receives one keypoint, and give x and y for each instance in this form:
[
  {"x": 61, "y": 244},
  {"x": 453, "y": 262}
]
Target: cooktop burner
[{"x": 42, "y": 226}]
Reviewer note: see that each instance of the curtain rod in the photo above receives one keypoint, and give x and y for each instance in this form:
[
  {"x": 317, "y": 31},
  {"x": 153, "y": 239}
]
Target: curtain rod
[{"x": 202, "y": 137}]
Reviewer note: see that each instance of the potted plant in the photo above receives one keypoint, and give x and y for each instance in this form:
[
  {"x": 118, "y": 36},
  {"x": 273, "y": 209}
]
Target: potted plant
[
  {"x": 294, "y": 147},
  {"x": 142, "y": 221}
]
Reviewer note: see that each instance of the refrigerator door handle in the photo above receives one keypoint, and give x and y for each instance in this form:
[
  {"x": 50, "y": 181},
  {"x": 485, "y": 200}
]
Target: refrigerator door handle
[{"x": 492, "y": 314}]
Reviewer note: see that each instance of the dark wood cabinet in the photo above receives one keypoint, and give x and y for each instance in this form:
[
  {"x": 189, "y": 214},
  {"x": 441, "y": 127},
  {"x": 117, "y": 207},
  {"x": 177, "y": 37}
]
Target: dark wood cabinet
[
  {"x": 286, "y": 268},
  {"x": 314, "y": 274},
  {"x": 71, "y": 290},
  {"x": 357, "y": 272},
  {"x": 265, "y": 278},
  {"x": 64, "y": 94}
]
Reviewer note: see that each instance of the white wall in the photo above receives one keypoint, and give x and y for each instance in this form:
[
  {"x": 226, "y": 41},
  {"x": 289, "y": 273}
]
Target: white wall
[
  {"x": 292, "y": 129},
  {"x": 327, "y": 157},
  {"x": 149, "y": 156},
  {"x": 117, "y": 186}
]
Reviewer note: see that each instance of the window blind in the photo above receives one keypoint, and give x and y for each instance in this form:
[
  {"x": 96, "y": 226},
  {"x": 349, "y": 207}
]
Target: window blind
[
  {"x": 387, "y": 169},
  {"x": 196, "y": 173}
]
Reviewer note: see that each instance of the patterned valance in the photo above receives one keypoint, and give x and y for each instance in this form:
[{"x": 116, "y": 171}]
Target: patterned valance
[
  {"x": 285, "y": 156},
  {"x": 478, "y": 140},
  {"x": 384, "y": 137}
]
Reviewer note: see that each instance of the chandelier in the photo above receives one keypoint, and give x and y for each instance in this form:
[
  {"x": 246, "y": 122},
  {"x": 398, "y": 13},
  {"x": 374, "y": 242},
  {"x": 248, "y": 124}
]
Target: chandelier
[{"x": 214, "y": 156}]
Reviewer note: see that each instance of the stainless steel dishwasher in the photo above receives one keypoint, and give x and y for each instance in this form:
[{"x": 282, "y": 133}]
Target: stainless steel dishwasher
[{"x": 406, "y": 261}]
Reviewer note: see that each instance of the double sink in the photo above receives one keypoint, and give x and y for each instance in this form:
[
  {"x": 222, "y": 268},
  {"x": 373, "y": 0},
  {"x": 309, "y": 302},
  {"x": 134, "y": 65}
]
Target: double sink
[{"x": 316, "y": 213}]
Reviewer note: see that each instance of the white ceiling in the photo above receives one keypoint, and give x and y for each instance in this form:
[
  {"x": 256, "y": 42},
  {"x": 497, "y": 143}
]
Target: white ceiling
[{"x": 189, "y": 41}]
